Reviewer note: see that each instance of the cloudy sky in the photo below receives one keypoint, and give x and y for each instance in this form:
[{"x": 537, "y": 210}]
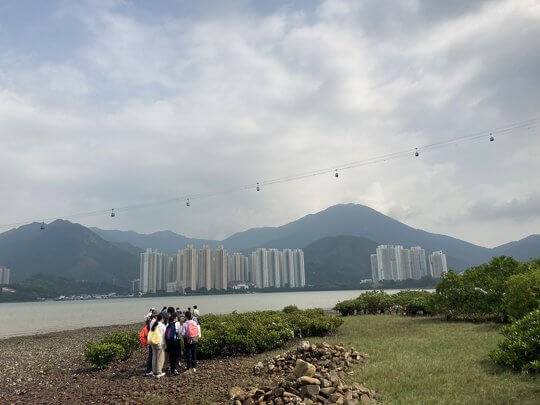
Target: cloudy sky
[{"x": 111, "y": 103}]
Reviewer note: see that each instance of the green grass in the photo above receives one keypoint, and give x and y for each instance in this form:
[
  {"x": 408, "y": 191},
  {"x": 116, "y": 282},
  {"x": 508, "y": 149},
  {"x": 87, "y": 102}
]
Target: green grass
[{"x": 428, "y": 361}]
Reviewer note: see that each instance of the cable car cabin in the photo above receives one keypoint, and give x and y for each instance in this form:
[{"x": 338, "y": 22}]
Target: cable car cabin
[{"x": 112, "y": 213}]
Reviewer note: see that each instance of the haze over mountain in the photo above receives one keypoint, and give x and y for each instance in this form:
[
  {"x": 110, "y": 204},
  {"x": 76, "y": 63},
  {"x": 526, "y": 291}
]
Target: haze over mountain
[{"x": 67, "y": 250}]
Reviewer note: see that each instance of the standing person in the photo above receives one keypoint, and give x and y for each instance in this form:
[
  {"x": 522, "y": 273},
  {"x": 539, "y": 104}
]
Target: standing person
[
  {"x": 191, "y": 333},
  {"x": 179, "y": 313},
  {"x": 196, "y": 314},
  {"x": 172, "y": 340},
  {"x": 143, "y": 338},
  {"x": 156, "y": 337}
]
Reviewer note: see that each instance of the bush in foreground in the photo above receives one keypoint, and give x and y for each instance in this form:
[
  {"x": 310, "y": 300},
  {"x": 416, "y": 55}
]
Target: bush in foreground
[
  {"x": 520, "y": 350},
  {"x": 128, "y": 340},
  {"x": 522, "y": 294},
  {"x": 101, "y": 354}
]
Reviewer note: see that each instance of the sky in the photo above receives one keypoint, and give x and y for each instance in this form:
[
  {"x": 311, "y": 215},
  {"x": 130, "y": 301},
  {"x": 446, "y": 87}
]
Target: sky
[{"x": 107, "y": 104}]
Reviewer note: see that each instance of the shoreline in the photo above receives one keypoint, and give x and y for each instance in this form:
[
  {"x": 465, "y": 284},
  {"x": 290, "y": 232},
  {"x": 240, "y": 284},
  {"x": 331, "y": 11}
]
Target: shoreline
[
  {"x": 51, "y": 368},
  {"x": 222, "y": 293}
]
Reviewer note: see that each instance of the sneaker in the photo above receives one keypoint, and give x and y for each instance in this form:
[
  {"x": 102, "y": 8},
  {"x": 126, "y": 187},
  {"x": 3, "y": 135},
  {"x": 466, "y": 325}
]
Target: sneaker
[
  {"x": 150, "y": 374},
  {"x": 194, "y": 370},
  {"x": 176, "y": 372},
  {"x": 160, "y": 375}
]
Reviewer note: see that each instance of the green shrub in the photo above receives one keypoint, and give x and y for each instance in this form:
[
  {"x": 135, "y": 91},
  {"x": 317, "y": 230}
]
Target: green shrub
[
  {"x": 522, "y": 294},
  {"x": 373, "y": 302},
  {"x": 128, "y": 340},
  {"x": 100, "y": 354},
  {"x": 290, "y": 308},
  {"x": 256, "y": 332},
  {"x": 479, "y": 292},
  {"x": 520, "y": 350},
  {"x": 347, "y": 307},
  {"x": 415, "y": 301}
]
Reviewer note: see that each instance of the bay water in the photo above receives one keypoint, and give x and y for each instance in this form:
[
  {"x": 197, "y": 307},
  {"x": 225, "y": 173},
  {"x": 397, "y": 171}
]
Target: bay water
[{"x": 29, "y": 318}]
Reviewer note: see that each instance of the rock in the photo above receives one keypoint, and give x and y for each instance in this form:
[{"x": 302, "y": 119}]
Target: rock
[
  {"x": 365, "y": 399},
  {"x": 325, "y": 383},
  {"x": 308, "y": 380},
  {"x": 307, "y": 401},
  {"x": 303, "y": 368},
  {"x": 237, "y": 393},
  {"x": 350, "y": 402},
  {"x": 327, "y": 391},
  {"x": 248, "y": 401},
  {"x": 335, "y": 397},
  {"x": 304, "y": 345},
  {"x": 309, "y": 390}
]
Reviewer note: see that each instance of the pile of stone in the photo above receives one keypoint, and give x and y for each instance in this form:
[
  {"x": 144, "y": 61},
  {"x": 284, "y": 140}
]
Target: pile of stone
[{"x": 311, "y": 374}]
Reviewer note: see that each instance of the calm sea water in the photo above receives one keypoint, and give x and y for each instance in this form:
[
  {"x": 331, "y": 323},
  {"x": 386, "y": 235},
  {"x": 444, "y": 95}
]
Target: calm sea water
[{"x": 28, "y": 318}]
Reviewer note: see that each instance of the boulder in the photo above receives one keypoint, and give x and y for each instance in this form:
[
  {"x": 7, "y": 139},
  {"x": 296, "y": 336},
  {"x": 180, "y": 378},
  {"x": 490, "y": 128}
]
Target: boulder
[{"x": 303, "y": 368}]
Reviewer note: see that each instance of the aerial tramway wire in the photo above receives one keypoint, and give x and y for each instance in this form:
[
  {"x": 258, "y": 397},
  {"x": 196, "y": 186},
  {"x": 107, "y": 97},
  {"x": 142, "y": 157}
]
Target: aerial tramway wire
[{"x": 471, "y": 138}]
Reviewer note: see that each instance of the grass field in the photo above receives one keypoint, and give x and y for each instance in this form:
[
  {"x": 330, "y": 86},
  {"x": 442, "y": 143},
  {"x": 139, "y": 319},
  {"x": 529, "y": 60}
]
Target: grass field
[{"x": 428, "y": 361}]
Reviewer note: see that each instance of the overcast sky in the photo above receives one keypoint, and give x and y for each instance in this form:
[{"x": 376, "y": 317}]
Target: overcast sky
[{"x": 110, "y": 103}]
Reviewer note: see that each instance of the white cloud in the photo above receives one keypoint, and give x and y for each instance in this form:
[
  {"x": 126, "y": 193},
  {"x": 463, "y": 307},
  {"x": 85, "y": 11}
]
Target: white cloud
[{"x": 173, "y": 104}]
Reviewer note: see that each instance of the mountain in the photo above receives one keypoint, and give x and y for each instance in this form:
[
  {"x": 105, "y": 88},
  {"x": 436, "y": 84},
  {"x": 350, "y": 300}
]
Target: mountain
[
  {"x": 338, "y": 220},
  {"x": 362, "y": 221},
  {"x": 524, "y": 249},
  {"x": 338, "y": 260},
  {"x": 166, "y": 241},
  {"x": 65, "y": 249}
]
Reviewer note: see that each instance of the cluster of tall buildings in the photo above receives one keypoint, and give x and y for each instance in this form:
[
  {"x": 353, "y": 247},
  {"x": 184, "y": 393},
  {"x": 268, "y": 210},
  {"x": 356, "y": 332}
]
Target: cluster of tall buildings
[
  {"x": 394, "y": 262},
  {"x": 217, "y": 269},
  {"x": 4, "y": 275}
]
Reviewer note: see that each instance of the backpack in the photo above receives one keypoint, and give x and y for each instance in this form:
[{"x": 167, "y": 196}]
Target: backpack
[
  {"x": 192, "y": 332},
  {"x": 170, "y": 333},
  {"x": 154, "y": 337},
  {"x": 143, "y": 335}
]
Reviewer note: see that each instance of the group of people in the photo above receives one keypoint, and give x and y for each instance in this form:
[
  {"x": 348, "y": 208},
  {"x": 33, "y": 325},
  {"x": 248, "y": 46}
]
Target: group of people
[{"x": 165, "y": 333}]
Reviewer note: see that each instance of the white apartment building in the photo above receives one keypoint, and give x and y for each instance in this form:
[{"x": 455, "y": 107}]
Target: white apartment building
[
  {"x": 274, "y": 268},
  {"x": 217, "y": 269},
  {"x": 4, "y": 275},
  {"x": 154, "y": 269},
  {"x": 393, "y": 262},
  {"x": 437, "y": 264},
  {"x": 418, "y": 262}
]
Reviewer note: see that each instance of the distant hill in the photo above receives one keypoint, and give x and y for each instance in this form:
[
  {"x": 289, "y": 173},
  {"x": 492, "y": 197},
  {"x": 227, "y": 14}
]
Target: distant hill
[
  {"x": 338, "y": 220},
  {"x": 362, "y": 221},
  {"x": 337, "y": 260},
  {"x": 166, "y": 241},
  {"x": 524, "y": 249},
  {"x": 65, "y": 249}
]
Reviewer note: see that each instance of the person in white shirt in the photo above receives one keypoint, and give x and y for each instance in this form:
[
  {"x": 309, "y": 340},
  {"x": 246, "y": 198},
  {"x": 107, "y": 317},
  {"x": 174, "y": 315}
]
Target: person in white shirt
[{"x": 158, "y": 350}]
